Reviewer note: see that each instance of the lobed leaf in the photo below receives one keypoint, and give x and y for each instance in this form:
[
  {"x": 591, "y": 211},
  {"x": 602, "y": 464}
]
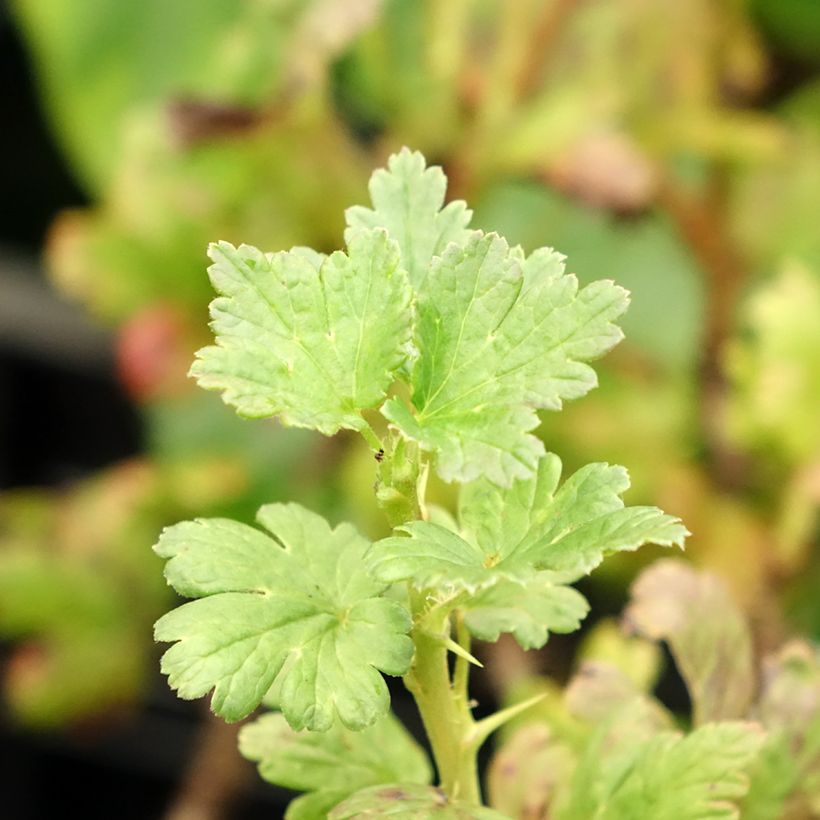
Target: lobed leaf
[
  {"x": 332, "y": 765},
  {"x": 695, "y": 777},
  {"x": 311, "y": 339},
  {"x": 298, "y": 610},
  {"x": 700, "y": 776},
  {"x": 408, "y": 200},
  {"x": 518, "y": 546},
  {"x": 500, "y": 336}
]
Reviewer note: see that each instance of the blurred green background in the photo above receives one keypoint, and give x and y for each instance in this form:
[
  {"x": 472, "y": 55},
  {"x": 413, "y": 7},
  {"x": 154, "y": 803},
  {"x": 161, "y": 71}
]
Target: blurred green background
[{"x": 672, "y": 145}]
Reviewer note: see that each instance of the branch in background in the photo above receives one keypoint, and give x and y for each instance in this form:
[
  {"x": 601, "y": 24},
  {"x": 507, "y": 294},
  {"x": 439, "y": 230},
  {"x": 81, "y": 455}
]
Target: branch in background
[
  {"x": 505, "y": 81},
  {"x": 701, "y": 221},
  {"x": 216, "y": 775},
  {"x": 547, "y": 31}
]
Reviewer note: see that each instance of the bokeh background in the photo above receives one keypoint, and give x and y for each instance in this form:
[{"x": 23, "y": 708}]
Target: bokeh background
[{"x": 672, "y": 145}]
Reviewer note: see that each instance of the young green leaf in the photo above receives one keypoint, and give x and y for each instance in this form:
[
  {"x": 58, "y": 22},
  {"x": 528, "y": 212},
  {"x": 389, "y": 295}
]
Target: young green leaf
[
  {"x": 311, "y": 339},
  {"x": 638, "y": 659},
  {"x": 700, "y": 776},
  {"x": 330, "y": 766},
  {"x": 518, "y": 543},
  {"x": 774, "y": 365},
  {"x": 706, "y": 632},
  {"x": 407, "y": 201},
  {"x": 499, "y": 337},
  {"x": 299, "y": 611},
  {"x": 599, "y": 691},
  {"x": 409, "y": 802}
]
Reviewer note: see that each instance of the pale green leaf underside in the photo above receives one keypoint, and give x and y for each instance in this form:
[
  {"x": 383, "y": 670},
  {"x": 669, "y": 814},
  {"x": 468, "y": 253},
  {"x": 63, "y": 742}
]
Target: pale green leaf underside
[
  {"x": 299, "y": 611},
  {"x": 311, "y": 339},
  {"x": 409, "y": 802},
  {"x": 500, "y": 336},
  {"x": 408, "y": 200},
  {"x": 332, "y": 765},
  {"x": 529, "y": 610}
]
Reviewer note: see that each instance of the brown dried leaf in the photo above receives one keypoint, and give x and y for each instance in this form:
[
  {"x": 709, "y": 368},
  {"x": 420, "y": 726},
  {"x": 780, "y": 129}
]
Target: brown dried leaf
[{"x": 707, "y": 634}]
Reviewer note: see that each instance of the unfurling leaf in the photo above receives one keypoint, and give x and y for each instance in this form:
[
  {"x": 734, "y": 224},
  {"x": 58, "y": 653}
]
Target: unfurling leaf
[
  {"x": 500, "y": 336},
  {"x": 706, "y": 632},
  {"x": 298, "y": 610},
  {"x": 311, "y": 339},
  {"x": 330, "y": 766}
]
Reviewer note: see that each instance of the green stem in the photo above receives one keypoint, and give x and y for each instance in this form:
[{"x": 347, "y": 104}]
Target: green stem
[
  {"x": 442, "y": 703},
  {"x": 369, "y": 435},
  {"x": 447, "y": 719}
]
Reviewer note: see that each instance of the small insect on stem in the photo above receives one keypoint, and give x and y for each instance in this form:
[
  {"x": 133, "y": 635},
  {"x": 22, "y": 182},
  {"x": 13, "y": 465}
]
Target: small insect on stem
[{"x": 379, "y": 456}]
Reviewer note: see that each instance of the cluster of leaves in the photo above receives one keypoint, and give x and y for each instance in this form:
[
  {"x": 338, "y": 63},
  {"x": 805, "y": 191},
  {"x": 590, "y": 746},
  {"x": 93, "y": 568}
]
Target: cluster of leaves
[
  {"x": 457, "y": 339},
  {"x": 553, "y": 120},
  {"x": 606, "y": 748}
]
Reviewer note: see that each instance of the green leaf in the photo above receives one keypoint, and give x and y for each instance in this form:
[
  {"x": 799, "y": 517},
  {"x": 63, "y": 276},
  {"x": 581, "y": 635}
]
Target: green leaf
[
  {"x": 706, "y": 632},
  {"x": 667, "y": 777},
  {"x": 300, "y": 612},
  {"x": 311, "y": 339},
  {"x": 409, "y": 802},
  {"x": 332, "y": 765},
  {"x": 516, "y": 545},
  {"x": 699, "y": 776},
  {"x": 407, "y": 201},
  {"x": 529, "y": 610},
  {"x": 644, "y": 254},
  {"x": 314, "y": 805},
  {"x": 499, "y": 337},
  {"x": 568, "y": 530}
]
